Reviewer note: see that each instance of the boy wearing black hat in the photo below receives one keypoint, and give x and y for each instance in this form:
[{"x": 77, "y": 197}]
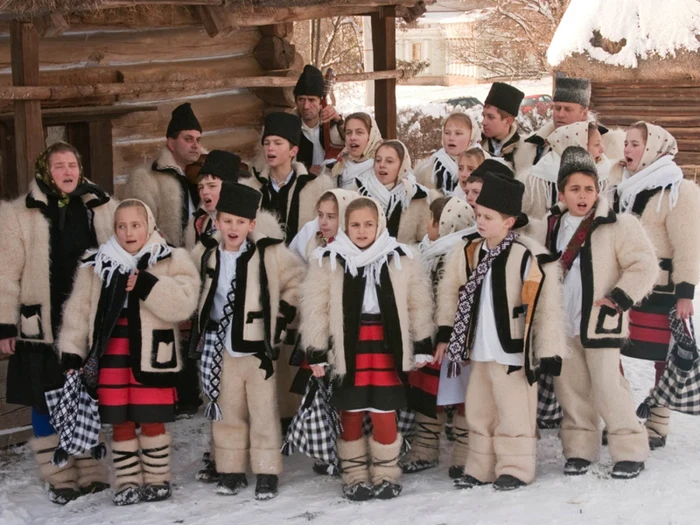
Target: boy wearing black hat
[
  {"x": 218, "y": 166},
  {"x": 499, "y": 307},
  {"x": 608, "y": 264},
  {"x": 288, "y": 190},
  {"x": 163, "y": 185},
  {"x": 500, "y": 132},
  {"x": 308, "y": 94},
  {"x": 249, "y": 296}
]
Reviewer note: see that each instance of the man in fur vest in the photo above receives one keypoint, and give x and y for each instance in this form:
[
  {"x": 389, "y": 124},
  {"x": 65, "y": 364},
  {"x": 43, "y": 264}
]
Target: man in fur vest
[
  {"x": 500, "y": 131},
  {"x": 308, "y": 94},
  {"x": 173, "y": 200},
  {"x": 162, "y": 185}
]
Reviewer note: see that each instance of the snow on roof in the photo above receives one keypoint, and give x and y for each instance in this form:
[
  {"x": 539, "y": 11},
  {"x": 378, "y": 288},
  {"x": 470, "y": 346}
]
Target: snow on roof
[{"x": 649, "y": 27}]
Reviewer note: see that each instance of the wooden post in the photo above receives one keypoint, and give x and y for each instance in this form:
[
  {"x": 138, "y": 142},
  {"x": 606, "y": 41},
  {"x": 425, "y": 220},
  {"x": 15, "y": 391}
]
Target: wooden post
[
  {"x": 384, "y": 44},
  {"x": 29, "y": 132},
  {"x": 101, "y": 154}
]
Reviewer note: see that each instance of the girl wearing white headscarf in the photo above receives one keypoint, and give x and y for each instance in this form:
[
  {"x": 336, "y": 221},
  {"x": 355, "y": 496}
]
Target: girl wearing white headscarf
[{"x": 362, "y": 138}]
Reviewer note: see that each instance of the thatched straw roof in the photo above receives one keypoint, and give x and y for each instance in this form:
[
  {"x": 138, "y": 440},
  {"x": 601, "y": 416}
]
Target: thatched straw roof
[{"x": 617, "y": 40}]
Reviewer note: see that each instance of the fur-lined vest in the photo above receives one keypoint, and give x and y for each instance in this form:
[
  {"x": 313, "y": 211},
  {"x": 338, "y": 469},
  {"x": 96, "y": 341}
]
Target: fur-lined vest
[
  {"x": 163, "y": 187},
  {"x": 164, "y": 295},
  {"x": 25, "y": 275},
  {"x": 331, "y": 305},
  {"x": 268, "y": 276},
  {"x": 617, "y": 261},
  {"x": 675, "y": 235},
  {"x": 538, "y": 333},
  {"x": 295, "y": 203}
]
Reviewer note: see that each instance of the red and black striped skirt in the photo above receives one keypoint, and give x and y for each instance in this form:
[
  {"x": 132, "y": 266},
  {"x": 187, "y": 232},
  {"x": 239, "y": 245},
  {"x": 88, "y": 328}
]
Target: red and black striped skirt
[
  {"x": 375, "y": 382},
  {"x": 650, "y": 336},
  {"x": 120, "y": 396}
]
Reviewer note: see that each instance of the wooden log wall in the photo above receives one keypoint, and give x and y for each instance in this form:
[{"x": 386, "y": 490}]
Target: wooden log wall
[
  {"x": 673, "y": 105},
  {"x": 111, "y": 51}
]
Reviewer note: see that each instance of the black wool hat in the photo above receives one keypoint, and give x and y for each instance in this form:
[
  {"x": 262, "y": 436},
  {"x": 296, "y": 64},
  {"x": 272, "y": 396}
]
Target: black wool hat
[
  {"x": 505, "y": 97},
  {"x": 221, "y": 164},
  {"x": 285, "y": 125},
  {"x": 576, "y": 90},
  {"x": 239, "y": 199},
  {"x": 576, "y": 159},
  {"x": 310, "y": 83},
  {"x": 502, "y": 193},
  {"x": 183, "y": 118},
  {"x": 493, "y": 166}
]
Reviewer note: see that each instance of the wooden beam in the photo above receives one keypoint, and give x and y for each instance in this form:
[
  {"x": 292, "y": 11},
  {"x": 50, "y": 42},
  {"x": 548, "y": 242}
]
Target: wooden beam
[
  {"x": 217, "y": 20},
  {"x": 29, "y": 131},
  {"x": 101, "y": 154},
  {"x": 51, "y": 25},
  {"x": 273, "y": 53},
  {"x": 35, "y": 92},
  {"x": 384, "y": 45}
]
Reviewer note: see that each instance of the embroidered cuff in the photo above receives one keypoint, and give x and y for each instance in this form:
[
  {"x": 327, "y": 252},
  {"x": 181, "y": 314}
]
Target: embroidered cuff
[
  {"x": 621, "y": 299},
  {"x": 71, "y": 362},
  {"x": 685, "y": 291},
  {"x": 423, "y": 347},
  {"x": 8, "y": 330},
  {"x": 316, "y": 357},
  {"x": 443, "y": 334},
  {"x": 144, "y": 284},
  {"x": 288, "y": 311},
  {"x": 422, "y": 358}
]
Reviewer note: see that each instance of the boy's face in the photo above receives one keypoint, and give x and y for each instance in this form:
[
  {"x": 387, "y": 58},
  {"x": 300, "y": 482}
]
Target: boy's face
[
  {"x": 209, "y": 188},
  {"x": 131, "y": 227},
  {"x": 234, "y": 230},
  {"x": 278, "y": 151},
  {"x": 491, "y": 224},
  {"x": 433, "y": 228},
  {"x": 472, "y": 191},
  {"x": 580, "y": 194},
  {"x": 495, "y": 126},
  {"x": 595, "y": 145},
  {"x": 455, "y": 137},
  {"x": 362, "y": 227}
]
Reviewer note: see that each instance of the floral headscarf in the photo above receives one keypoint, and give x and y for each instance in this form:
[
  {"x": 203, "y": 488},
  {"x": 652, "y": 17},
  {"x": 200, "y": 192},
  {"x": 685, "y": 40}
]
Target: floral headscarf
[{"x": 42, "y": 172}]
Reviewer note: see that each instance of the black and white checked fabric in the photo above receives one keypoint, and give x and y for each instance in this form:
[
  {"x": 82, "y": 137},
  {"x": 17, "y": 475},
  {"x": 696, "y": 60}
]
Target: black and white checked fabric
[
  {"x": 315, "y": 428},
  {"x": 213, "y": 356},
  {"x": 549, "y": 412},
  {"x": 678, "y": 388},
  {"x": 75, "y": 417},
  {"x": 457, "y": 347}
]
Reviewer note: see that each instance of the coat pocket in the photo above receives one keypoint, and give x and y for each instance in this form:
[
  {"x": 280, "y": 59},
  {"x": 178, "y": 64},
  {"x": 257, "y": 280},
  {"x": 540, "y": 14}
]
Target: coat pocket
[
  {"x": 254, "y": 329},
  {"x": 163, "y": 350},
  {"x": 30, "y": 322},
  {"x": 664, "y": 283},
  {"x": 517, "y": 322},
  {"x": 609, "y": 321}
]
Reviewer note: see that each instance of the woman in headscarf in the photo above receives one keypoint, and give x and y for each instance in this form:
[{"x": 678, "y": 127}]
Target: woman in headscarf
[{"x": 43, "y": 235}]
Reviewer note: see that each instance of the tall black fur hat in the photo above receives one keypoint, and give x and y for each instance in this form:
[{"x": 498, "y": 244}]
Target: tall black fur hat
[
  {"x": 239, "y": 199},
  {"x": 183, "y": 118},
  {"x": 222, "y": 164},
  {"x": 505, "y": 97},
  {"x": 502, "y": 193},
  {"x": 310, "y": 82},
  {"x": 576, "y": 90},
  {"x": 285, "y": 125}
]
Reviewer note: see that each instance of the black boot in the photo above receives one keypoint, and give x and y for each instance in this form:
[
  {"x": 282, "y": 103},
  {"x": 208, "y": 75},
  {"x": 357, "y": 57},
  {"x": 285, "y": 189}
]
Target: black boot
[
  {"x": 208, "y": 474},
  {"x": 321, "y": 468},
  {"x": 576, "y": 466},
  {"x": 127, "y": 495},
  {"x": 468, "y": 482},
  {"x": 657, "y": 442},
  {"x": 456, "y": 472},
  {"x": 507, "y": 482},
  {"x": 359, "y": 491},
  {"x": 157, "y": 491},
  {"x": 387, "y": 490},
  {"x": 231, "y": 484},
  {"x": 627, "y": 469},
  {"x": 266, "y": 486},
  {"x": 63, "y": 495}
]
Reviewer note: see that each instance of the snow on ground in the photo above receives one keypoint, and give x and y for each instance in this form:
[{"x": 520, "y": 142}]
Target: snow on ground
[{"x": 665, "y": 494}]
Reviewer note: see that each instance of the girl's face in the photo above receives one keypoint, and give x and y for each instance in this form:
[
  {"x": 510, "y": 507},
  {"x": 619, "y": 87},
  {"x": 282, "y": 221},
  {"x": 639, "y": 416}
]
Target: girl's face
[
  {"x": 455, "y": 137},
  {"x": 328, "y": 219},
  {"x": 634, "y": 149},
  {"x": 595, "y": 145},
  {"x": 356, "y": 137},
  {"x": 65, "y": 170},
  {"x": 131, "y": 227},
  {"x": 387, "y": 165},
  {"x": 433, "y": 228},
  {"x": 362, "y": 227},
  {"x": 466, "y": 165}
]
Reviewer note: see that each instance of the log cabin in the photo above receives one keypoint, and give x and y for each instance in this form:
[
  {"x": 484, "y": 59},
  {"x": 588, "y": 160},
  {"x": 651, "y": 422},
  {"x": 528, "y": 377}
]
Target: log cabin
[
  {"x": 643, "y": 60},
  {"x": 106, "y": 74}
]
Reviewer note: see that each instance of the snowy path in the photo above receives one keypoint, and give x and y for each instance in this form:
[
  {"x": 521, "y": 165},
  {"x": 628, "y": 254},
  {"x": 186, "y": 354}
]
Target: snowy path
[{"x": 666, "y": 493}]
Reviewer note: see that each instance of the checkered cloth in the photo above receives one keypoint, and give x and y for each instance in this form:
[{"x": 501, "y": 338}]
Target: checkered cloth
[
  {"x": 315, "y": 428},
  {"x": 75, "y": 417},
  {"x": 549, "y": 412},
  {"x": 679, "y": 386},
  {"x": 207, "y": 366}
]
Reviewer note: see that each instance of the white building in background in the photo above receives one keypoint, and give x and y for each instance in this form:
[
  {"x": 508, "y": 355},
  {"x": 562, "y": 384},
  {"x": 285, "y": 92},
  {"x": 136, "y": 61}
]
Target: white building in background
[{"x": 436, "y": 31}]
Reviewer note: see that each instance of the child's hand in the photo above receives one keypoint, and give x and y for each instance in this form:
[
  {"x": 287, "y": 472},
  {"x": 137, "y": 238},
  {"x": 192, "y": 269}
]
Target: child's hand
[
  {"x": 684, "y": 309},
  {"x": 439, "y": 353},
  {"x": 7, "y": 346},
  {"x": 131, "y": 281},
  {"x": 318, "y": 370},
  {"x": 606, "y": 302}
]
